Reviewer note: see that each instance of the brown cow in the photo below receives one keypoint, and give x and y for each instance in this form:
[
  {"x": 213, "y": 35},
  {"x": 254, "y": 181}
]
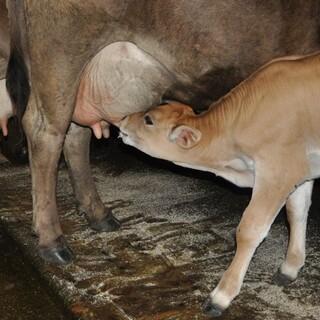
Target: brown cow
[{"x": 190, "y": 49}]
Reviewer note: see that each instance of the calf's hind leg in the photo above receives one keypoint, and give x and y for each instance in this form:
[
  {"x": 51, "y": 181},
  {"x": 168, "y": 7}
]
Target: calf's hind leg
[
  {"x": 76, "y": 153},
  {"x": 297, "y": 206}
]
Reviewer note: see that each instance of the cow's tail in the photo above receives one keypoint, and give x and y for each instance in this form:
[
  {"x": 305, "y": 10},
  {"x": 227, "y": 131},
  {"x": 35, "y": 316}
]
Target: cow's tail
[{"x": 17, "y": 80}]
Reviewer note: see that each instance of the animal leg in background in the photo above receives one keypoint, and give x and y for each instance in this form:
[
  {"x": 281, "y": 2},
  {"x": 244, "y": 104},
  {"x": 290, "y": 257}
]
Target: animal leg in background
[{"x": 76, "y": 152}]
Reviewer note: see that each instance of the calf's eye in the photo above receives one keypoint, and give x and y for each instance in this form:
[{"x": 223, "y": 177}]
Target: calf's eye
[{"x": 147, "y": 120}]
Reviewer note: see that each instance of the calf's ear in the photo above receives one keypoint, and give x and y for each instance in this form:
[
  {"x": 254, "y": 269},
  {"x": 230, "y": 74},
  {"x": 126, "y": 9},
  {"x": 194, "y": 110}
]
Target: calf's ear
[{"x": 184, "y": 136}]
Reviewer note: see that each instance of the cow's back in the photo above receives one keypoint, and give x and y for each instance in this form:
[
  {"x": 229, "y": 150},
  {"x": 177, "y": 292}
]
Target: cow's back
[{"x": 209, "y": 45}]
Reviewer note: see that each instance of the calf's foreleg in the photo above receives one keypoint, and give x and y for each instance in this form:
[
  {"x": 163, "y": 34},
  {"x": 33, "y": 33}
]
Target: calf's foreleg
[{"x": 268, "y": 196}]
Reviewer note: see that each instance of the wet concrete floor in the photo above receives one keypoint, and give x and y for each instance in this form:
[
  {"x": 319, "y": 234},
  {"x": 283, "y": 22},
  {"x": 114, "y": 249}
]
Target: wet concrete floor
[
  {"x": 23, "y": 295},
  {"x": 177, "y": 238}
]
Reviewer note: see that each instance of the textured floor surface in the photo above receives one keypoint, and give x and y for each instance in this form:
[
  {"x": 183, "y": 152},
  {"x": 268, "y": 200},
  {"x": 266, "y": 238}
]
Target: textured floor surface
[
  {"x": 23, "y": 294},
  {"x": 177, "y": 238}
]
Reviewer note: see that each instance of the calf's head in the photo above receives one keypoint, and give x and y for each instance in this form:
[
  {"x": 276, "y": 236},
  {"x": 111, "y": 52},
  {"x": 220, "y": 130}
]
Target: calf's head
[{"x": 167, "y": 132}]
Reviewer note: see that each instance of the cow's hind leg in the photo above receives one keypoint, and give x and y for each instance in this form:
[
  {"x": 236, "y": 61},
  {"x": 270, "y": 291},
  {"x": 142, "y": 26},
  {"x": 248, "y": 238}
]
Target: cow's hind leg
[
  {"x": 297, "y": 206},
  {"x": 76, "y": 153},
  {"x": 45, "y": 139}
]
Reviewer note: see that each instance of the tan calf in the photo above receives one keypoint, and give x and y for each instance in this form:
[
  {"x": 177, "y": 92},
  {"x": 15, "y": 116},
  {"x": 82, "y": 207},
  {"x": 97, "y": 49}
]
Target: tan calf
[{"x": 264, "y": 134}]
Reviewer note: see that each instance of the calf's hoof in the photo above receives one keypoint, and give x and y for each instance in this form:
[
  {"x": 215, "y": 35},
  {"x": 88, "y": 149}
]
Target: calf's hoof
[
  {"x": 212, "y": 309},
  {"x": 59, "y": 253},
  {"x": 282, "y": 279},
  {"x": 109, "y": 223}
]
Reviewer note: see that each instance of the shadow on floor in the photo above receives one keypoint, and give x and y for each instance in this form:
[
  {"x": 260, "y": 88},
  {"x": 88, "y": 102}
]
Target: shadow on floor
[{"x": 23, "y": 295}]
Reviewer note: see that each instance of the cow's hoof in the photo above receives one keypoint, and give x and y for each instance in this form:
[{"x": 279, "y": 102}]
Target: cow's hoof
[
  {"x": 282, "y": 279},
  {"x": 212, "y": 309},
  {"x": 109, "y": 223},
  {"x": 58, "y": 254}
]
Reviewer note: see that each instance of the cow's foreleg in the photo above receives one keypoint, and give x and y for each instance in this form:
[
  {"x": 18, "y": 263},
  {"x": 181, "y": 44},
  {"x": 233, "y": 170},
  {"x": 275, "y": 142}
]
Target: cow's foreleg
[
  {"x": 297, "y": 206},
  {"x": 269, "y": 195},
  {"x": 45, "y": 139},
  {"x": 76, "y": 152}
]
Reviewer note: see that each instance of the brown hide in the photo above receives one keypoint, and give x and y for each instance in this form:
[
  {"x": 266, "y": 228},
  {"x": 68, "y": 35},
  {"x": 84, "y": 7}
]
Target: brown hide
[{"x": 209, "y": 45}]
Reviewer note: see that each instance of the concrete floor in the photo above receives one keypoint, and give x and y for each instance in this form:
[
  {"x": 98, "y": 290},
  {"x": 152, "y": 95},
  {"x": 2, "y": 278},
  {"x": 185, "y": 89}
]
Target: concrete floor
[
  {"x": 23, "y": 294},
  {"x": 177, "y": 238}
]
